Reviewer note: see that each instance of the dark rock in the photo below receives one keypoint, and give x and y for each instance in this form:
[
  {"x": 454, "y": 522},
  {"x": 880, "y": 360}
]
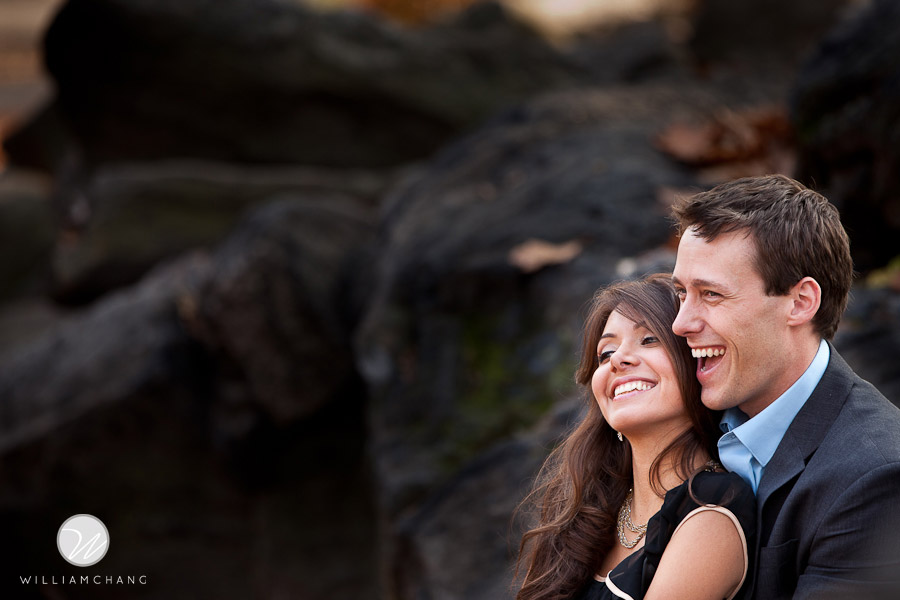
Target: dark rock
[
  {"x": 27, "y": 232},
  {"x": 147, "y": 466},
  {"x": 272, "y": 81},
  {"x": 846, "y": 109},
  {"x": 869, "y": 338},
  {"x": 128, "y": 217},
  {"x": 462, "y": 543},
  {"x": 26, "y": 319},
  {"x": 632, "y": 52},
  {"x": 191, "y": 413},
  {"x": 769, "y": 33},
  {"x": 43, "y": 142},
  {"x": 129, "y": 343},
  {"x": 276, "y": 311}
]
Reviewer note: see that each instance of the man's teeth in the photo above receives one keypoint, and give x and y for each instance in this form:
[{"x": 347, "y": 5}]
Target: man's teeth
[
  {"x": 632, "y": 385},
  {"x": 707, "y": 352}
]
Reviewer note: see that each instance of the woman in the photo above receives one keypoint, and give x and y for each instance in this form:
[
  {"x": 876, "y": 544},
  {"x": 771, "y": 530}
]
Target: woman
[{"x": 633, "y": 504}]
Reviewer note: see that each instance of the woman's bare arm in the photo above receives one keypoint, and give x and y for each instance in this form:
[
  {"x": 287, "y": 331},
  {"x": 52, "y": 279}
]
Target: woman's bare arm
[{"x": 706, "y": 559}]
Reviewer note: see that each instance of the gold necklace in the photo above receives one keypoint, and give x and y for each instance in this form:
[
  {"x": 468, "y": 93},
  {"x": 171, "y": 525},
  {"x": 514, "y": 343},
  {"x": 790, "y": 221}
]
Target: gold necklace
[{"x": 625, "y": 521}]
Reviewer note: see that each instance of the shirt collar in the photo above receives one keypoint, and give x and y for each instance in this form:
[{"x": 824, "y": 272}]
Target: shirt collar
[{"x": 762, "y": 434}]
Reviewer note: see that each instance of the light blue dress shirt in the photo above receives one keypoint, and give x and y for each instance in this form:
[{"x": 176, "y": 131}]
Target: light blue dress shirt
[{"x": 748, "y": 444}]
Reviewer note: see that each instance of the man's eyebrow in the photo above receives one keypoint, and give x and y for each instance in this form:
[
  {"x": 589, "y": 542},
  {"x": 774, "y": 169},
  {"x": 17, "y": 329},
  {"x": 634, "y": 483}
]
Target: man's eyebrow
[{"x": 705, "y": 283}]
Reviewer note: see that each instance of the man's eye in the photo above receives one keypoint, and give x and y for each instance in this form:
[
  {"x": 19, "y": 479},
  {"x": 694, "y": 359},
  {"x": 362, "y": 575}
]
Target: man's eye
[
  {"x": 681, "y": 294},
  {"x": 711, "y": 294}
]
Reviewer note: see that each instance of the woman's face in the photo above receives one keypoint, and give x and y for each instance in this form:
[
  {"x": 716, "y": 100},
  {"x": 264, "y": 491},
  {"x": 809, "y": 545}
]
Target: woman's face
[{"x": 635, "y": 384}]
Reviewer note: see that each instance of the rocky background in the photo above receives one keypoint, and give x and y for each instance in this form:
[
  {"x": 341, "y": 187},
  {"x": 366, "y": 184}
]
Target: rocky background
[{"x": 292, "y": 297}]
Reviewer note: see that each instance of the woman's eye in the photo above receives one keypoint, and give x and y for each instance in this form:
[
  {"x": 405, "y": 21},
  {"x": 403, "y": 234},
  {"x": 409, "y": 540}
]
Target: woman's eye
[
  {"x": 604, "y": 356},
  {"x": 649, "y": 339}
]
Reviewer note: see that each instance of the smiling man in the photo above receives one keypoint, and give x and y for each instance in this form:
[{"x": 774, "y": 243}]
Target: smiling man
[{"x": 763, "y": 272}]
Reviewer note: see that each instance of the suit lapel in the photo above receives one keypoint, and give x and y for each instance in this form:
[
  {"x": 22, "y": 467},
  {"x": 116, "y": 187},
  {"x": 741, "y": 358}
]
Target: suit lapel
[
  {"x": 787, "y": 463},
  {"x": 808, "y": 428}
]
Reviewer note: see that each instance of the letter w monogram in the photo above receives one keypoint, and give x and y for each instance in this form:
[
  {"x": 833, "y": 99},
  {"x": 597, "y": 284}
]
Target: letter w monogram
[{"x": 88, "y": 547}]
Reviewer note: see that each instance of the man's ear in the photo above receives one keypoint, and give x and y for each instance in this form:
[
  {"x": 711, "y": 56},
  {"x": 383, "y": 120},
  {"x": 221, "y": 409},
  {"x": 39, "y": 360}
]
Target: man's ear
[{"x": 806, "y": 295}]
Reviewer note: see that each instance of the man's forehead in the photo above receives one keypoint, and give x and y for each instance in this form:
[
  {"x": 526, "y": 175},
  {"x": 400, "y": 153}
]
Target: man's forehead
[
  {"x": 730, "y": 246},
  {"x": 725, "y": 263},
  {"x": 742, "y": 236}
]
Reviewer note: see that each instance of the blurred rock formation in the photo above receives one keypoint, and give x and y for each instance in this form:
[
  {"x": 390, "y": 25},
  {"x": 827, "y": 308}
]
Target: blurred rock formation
[
  {"x": 125, "y": 218},
  {"x": 196, "y": 414},
  {"x": 27, "y": 234},
  {"x": 276, "y": 82},
  {"x": 846, "y": 109},
  {"x": 297, "y": 308},
  {"x": 762, "y": 35}
]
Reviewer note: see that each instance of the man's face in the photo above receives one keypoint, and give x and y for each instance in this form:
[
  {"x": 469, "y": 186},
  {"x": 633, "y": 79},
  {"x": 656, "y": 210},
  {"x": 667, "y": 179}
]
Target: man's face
[{"x": 738, "y": 333}]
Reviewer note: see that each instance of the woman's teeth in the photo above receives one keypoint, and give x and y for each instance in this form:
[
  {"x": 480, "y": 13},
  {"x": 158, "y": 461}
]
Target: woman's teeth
[{"x": 632, "y": 385}]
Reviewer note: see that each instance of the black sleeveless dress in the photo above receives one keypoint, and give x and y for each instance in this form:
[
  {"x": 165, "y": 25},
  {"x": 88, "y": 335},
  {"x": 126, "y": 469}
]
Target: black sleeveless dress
[{"x": 631, "y": 578}]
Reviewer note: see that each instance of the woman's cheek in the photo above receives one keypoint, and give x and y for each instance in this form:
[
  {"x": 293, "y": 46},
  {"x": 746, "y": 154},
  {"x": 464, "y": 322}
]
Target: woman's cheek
[{"x": 598, "y": 386}]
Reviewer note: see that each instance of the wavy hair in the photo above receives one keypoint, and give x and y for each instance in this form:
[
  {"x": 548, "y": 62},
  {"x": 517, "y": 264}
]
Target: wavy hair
[{"x": 584, "y": 481}]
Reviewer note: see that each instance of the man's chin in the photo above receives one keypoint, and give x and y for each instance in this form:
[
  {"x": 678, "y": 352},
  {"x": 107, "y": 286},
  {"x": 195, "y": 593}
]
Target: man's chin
[{"x": 712, "y": 400}]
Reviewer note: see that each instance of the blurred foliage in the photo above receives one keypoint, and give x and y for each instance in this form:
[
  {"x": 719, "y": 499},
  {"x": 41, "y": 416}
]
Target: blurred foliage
[{"x": 887, "y": 277}]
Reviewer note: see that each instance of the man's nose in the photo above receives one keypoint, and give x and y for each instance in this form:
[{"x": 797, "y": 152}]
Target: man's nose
[{"x": 686, "y": 321}]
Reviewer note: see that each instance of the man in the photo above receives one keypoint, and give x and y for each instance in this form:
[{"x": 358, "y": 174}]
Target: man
[{"x": 763, "y": 272}]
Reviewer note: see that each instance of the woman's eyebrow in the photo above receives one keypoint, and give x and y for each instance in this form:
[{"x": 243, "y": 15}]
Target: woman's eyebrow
[{"x": 638, "y": 325}]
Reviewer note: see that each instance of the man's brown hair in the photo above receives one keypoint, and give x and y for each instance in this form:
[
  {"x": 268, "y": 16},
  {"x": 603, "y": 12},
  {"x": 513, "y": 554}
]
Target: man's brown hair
[{"x": 796, "y": 231}]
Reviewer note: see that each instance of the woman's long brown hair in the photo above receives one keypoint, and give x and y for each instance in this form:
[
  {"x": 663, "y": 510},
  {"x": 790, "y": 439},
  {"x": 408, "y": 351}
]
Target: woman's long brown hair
[{"x": 585, "y": 480}]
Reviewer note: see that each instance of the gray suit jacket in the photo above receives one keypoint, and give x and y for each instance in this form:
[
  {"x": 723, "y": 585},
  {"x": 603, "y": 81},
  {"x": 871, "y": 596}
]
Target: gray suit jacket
[{"x": 829, "y": 500}]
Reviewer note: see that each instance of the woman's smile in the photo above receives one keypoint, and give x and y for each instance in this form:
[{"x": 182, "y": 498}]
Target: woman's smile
[{"x": 631, "y": 387}]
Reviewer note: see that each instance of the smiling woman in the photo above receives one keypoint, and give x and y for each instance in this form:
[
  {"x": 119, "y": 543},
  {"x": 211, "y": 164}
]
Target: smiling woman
[
  {"x": 635, "y": 384},
  {"x": 634, "y": 494}
]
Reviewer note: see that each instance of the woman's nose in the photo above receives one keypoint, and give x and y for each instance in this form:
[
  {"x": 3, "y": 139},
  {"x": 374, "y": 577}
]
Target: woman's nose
[{"x": 623, "y": 357}]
